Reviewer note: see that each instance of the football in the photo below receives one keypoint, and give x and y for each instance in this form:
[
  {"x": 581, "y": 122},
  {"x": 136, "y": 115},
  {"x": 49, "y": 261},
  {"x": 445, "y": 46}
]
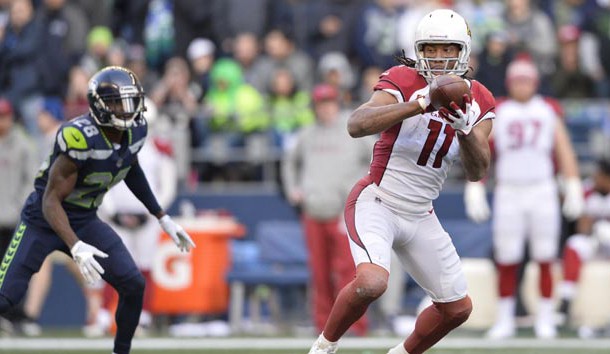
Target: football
[{"x": 447, "y": 88}]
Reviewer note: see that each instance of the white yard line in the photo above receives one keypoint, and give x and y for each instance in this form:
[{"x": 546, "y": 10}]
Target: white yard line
[{"x": 74, "y": 344}]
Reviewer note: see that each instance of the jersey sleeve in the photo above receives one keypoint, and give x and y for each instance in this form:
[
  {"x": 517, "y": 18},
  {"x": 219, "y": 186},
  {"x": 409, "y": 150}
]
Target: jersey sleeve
[
  {"x": 77, "y": 143},
  {"x": 485, "y": 100},
  {"x": 400, "y": 81}
]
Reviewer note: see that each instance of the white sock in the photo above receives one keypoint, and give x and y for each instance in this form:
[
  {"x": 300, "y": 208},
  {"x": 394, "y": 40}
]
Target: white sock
[
  {"x": 506, "y": 309},
  {"x": 399, "y": 349},
  {"x": 325, "y": 342},
  {"x": 546, "y": 308}
]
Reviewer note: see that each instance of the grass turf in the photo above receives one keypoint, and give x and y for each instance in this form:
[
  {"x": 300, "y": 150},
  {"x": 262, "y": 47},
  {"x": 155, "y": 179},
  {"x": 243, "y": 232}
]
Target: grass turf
[{"x": 293, "y": 351}]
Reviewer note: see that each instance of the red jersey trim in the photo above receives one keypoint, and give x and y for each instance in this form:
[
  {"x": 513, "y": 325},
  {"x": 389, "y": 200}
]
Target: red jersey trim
[
  {"x": 383, "y": 151},
  {"x": 381, "y": 88},
  {"x": 350, "y": 212}
]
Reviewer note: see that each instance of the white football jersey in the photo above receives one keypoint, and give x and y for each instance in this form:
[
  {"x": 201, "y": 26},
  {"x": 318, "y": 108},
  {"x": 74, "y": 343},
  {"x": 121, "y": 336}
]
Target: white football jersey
[
  {"x": 412, "y": 158},
  {"x": 524, "y": 139}
]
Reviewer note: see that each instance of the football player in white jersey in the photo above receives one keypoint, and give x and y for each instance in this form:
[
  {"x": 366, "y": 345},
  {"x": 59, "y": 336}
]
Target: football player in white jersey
[
  {"x": 591, "y": 240},
  {"x": 391, "y": 207},
  {"x": 529, "y": 137}
]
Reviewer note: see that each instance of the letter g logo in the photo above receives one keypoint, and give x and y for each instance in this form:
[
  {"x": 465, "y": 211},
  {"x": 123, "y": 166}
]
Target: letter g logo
[{"x": 171, "y": 268}]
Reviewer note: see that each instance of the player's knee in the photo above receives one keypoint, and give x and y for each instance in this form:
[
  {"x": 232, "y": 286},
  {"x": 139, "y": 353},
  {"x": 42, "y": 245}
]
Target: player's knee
[
  {"x": 133, "y": 286},
  {"x": 369, "y": 286},
  {"x": 457, "y": 312}
]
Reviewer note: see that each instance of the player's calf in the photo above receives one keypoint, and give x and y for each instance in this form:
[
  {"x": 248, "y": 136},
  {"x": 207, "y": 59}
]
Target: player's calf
[{"x": 5, "y": 304}]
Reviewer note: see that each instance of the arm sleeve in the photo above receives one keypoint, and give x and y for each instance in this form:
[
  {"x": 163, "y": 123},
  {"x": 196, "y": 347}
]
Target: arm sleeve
[{"x": 137, "y": 183}]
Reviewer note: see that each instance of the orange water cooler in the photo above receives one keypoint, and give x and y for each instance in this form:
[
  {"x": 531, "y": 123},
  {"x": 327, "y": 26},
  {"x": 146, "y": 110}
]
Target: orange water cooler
[{"x": 195, "y": 282}]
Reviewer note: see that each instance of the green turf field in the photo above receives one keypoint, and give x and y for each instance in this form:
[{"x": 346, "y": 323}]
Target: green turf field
[
  {"x": 298, "y": 345},
  {"x": 359, "y": 351}
]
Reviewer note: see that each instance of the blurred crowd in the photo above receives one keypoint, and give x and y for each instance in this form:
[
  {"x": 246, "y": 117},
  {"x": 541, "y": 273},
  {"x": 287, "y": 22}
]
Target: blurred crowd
[{"x": 233, "y": 73}]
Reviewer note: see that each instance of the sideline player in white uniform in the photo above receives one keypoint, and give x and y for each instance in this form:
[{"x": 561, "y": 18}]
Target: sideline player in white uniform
[
  {"x": 139, "y": 231},
  {"x": 591, "y": 241},
  {"x": 529, "y": 136},
  {"x": 391, "y": 207}
]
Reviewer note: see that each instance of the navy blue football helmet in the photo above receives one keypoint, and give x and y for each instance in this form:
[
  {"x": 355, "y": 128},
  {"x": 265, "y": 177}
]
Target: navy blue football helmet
[{"x": 116, "y": 98}]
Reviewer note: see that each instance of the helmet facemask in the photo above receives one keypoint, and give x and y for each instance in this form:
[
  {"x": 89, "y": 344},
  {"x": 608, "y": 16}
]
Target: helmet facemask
[
  {"x": 122, "y": 110},
  {"x": 453, "y": 65}
]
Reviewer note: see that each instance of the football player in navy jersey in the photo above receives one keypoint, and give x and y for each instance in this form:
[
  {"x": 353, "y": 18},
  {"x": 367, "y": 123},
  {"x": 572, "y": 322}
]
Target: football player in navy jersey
[{"x": 91, "y": 154}]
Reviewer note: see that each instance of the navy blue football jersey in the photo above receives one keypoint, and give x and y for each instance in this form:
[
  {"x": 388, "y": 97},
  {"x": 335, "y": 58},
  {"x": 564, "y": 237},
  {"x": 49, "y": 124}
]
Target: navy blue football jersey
[{"x": 101, "y": 165}]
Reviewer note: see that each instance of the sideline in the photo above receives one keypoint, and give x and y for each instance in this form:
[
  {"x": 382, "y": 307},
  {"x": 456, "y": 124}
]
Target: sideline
[{"x": 75, "y": 344}]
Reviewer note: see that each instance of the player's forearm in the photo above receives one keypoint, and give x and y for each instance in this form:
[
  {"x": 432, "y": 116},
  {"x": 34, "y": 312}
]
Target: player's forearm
[
  {"x": 137, "y": 183},
  {"x": 369, "y": 120},
  {"x": 564, "y": 152},
  {"x": 57, "y": 218},
  {"x": 475, "y": 155}
]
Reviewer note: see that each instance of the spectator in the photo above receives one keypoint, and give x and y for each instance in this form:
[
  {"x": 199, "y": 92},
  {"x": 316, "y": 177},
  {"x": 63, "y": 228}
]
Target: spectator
[
  {"x": 234, "y": 106},
  {"x": 596, "y": 39},
  {"x": 49, "y": 119},
  {"x": 335, "y": 69},
  {"x": 239, "y": 16},
  {"x": 376, "y": 33},
  {"x": 246, "y": 51},
  {"x": 159, "y": 37},
  {"x": 64, "y": 31},
  {"x": 592, "y": 239},
  {"x": 492, "y": 63},
  {"x": 67, "y": 20},
  {"x": 369, "y": 78},
  {"x": 136, "y": 62},
  {"x": 280, "y": 50},
  {"x": 129, "y": 18},
  {"x": 18, "y": 162},
  {"x": 99, "y": 40},
  {"x": 117, "y": 53},
  {"x": 176, "y": 97},
  {"x": 310, "y": 185},
  {"x": 200, "y": 54},
  {"x": 531, "y": 30},
  {"x": 233, "y": 113},
  {"x": 97, "y": 13},
  {"x": 568, "y": 12},
  {"x": 192, "y": 20},
  {"x": 569, "y": 81},
  {"x": 289, "y": 107},
  {"x": 484, "y": 19},
  {"x": 76, "y": 102},
  {"x": 19, "y": 71},
  {"x": 331, "y": 26},
  {"x": 529, "y": 135}
]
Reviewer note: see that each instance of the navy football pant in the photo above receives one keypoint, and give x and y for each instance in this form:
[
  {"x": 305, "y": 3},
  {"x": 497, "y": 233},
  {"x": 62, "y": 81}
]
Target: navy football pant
[{"x": 29, "y": 247}]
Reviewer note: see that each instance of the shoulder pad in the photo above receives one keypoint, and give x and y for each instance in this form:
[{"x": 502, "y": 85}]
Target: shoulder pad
[
  {"x": 74, "y": 138},
  {"x": 484, "y": 98},
  {"x": 401, "y": 78}
]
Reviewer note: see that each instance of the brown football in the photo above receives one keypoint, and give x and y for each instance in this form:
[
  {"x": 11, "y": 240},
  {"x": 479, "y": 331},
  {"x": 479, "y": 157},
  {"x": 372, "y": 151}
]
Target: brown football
[{"x": 447, "y": 88}]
